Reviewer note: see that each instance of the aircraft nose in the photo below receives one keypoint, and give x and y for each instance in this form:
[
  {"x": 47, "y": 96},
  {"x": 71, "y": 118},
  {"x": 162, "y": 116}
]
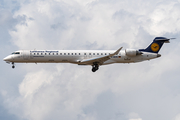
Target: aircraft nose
[{"x": 8, "y": 58}]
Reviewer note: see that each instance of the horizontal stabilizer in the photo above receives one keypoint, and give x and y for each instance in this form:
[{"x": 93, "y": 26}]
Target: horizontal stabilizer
[{"x": 163, "y": 39}]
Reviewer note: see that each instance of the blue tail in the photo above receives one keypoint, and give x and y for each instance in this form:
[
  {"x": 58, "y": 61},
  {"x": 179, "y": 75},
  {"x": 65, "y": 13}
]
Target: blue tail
[{"x": 156, "y": 45}]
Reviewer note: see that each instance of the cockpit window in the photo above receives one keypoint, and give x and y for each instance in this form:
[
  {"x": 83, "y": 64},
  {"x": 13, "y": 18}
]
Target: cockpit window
[{"x": 16, "y": 53}]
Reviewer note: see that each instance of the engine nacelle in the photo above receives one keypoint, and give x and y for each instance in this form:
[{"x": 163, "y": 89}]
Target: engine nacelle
[{"x": 132, "y": 52}]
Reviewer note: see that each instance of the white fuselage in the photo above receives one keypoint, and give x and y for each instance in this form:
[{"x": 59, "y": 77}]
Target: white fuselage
[{"x": 74, "y": 56}]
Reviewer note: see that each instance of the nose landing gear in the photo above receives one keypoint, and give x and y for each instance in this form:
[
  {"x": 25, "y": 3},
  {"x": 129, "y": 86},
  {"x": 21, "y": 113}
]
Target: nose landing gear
[
  {"x": 95, "y": 67},
  {"x": 13, "y": 66}
]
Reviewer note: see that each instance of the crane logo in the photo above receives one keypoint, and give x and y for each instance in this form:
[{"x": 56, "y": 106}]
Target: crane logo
[{"x": 154, "y": 47}]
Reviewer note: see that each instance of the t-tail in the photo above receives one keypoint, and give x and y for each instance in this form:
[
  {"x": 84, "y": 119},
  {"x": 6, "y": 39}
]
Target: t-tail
[{"x": 156, "y": 45}]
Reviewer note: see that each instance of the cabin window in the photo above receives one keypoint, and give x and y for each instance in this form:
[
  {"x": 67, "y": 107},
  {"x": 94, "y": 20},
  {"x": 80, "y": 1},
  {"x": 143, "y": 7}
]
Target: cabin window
[
  {"x": 34, "y": 53},
  {"x": 79, "y": 53},
  {"x": 105, "y": 53},
  {"x": 64, "y": 53},
  {"x": 93, "y": 53},
  {"x": 101, "y": 53},
  {"x": 45, "y": 53},
  {"x": 71, "y": 53},
  {"x": 37, "y": 53},
  {"x": 89, "y": 53},
  {"x": 41, "y": 53},
  {"x": 75, "y": 53},
  {"x": 68, "y": 54},
  {"x": 97, "y": 53},
  {"x": 56, "y": 53},
  {"x": 49, "y": 53},
  {"x": 60, "y": 53},
  {"x": 84, "y": 53}
]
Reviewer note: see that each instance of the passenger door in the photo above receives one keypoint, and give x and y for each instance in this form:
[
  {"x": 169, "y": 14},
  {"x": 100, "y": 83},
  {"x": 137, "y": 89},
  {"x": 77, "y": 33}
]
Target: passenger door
[{"x": 26, "y": 54}]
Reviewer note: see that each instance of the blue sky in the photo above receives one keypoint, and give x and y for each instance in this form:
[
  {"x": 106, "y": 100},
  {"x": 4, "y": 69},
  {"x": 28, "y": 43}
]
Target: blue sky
[{"x": 141, "y": 91}]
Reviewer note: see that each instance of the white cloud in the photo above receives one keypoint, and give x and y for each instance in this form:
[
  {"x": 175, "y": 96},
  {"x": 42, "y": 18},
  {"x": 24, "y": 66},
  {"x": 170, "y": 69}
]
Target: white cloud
[
  {"x": 136, "y": 119},
  {"x": 164, "y": 19},
  {"x": 43, "y": 92},
  {"x": 177, "y": 117},
  {"x": 134, "y": 116}
]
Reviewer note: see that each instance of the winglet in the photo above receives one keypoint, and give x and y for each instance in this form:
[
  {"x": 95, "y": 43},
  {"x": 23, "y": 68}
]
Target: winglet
[{"x": 116, "y": 52}]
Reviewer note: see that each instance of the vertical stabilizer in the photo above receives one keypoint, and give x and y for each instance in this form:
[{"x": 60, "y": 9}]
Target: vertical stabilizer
[{"x": 156, "y": 45}]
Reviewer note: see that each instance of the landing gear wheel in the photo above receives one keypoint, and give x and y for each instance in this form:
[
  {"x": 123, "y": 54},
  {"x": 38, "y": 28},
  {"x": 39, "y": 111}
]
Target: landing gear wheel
[
  {"x": 95, "y": 67},
  {"x": 13, "y": 65}
]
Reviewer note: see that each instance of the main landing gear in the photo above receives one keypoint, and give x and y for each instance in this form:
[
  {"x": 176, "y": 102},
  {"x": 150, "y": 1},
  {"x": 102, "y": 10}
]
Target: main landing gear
[
  {"x": 13, "y": 66},
  {"x": 95, "y": 67}
]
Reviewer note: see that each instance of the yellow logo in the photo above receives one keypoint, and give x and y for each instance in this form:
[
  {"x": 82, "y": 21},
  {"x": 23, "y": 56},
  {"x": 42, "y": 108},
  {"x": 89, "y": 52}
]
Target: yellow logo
[{"x": 154, "y": 47}]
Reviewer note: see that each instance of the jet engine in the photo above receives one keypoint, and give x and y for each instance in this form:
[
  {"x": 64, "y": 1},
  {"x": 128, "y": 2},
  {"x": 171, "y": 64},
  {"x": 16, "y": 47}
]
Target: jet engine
[{"x": 132, "y": 52}]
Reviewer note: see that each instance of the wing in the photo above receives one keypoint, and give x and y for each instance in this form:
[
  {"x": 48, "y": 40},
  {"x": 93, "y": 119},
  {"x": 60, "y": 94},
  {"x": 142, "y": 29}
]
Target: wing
[{"x": 99, "y": 60}]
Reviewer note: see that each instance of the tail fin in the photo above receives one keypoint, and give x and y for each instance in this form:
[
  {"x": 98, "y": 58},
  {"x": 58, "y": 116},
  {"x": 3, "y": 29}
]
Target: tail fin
[{"x": 156, "y": 45}]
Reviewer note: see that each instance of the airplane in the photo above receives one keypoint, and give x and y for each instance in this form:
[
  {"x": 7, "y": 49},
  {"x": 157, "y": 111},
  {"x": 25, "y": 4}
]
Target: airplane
[{"x": 95, "y": 58}]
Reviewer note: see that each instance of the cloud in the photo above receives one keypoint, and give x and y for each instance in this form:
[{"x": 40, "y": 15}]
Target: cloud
[
  {"x": 136, "y": 119},
  {"x": 140, "y": 91},
  {"x": 134, "y": 116},
  {"x": 40, "y": 92},
  {"x": 177, "y": 117},
  {"x": 164, "y": 19}
]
